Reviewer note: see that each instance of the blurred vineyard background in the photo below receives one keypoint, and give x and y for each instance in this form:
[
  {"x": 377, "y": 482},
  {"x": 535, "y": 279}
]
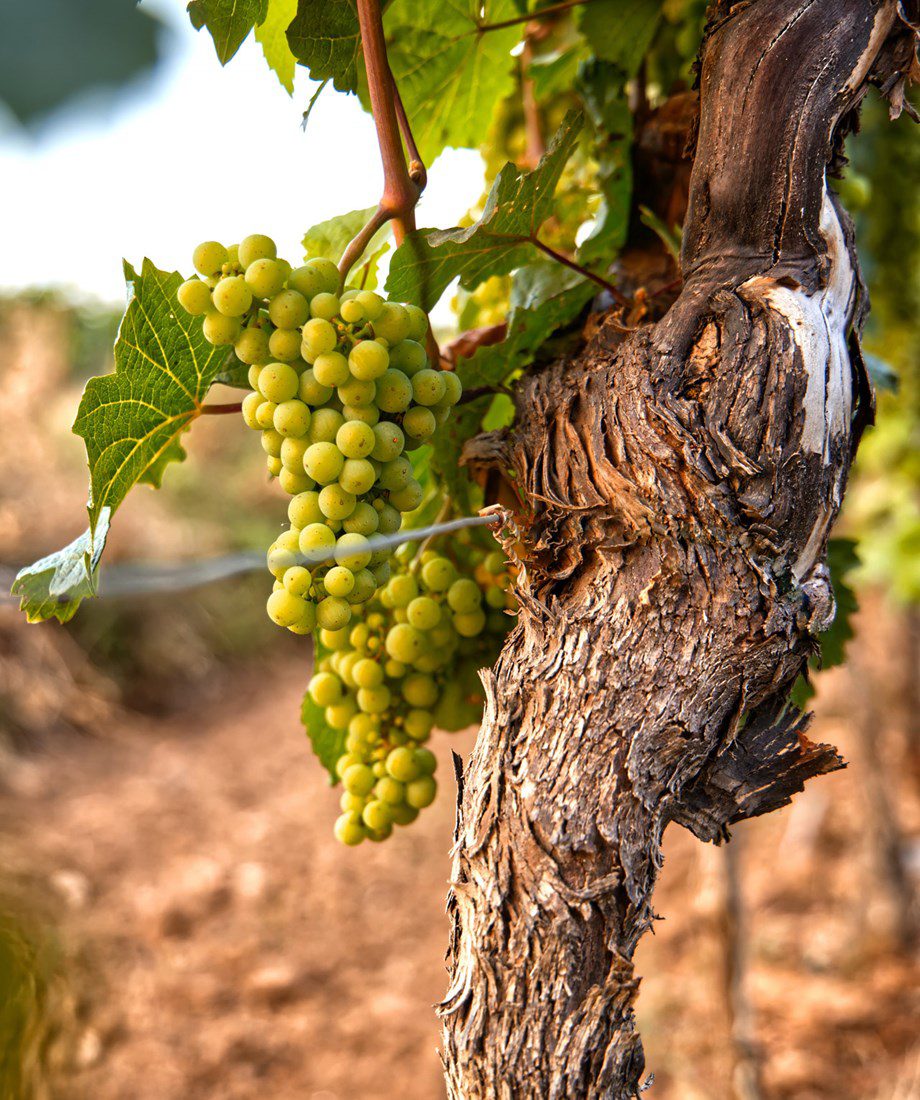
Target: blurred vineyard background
[{"x": 175, "y": 918}]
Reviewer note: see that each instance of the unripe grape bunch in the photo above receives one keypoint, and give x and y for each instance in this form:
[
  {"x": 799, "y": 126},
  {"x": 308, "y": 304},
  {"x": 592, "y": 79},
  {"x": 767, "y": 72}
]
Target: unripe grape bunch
[{"x": 341, "y": 390}]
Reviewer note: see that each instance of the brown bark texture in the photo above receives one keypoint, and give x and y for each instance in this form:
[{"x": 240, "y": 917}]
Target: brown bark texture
[{"x": 681, "y": 482}]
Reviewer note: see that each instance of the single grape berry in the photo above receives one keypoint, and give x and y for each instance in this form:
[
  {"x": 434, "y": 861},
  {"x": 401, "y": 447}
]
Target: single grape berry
[
  {"x": 284, "y": 344},
  {"x": 252, "y": 346},
  {"x": 195, "y": 297},
  {"x": 278, "y": 382},
  {"x": 288, "y": 309},
  {"x": 355, "y": 439},
  {"x": 323, "y": 462},
  {"x": 265, "y": 277},
  {"x": 368, "y": 360},
  {"x": 256, "y": 247},
  {"x": 209, "y": 258},
  {"x": 219, "y": 329},
  {"x": 324, "y": 305}
]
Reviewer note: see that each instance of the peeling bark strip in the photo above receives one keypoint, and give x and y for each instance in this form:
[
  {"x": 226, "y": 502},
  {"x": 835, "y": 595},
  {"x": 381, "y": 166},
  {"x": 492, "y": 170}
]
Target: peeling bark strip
[{"x": 683, "y": 481}]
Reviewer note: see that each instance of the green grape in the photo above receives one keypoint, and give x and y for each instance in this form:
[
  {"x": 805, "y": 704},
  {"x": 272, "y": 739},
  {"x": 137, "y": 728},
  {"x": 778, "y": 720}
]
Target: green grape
[
  {"x": 336, "y": 502},
  {"x": 340, "y": 714},
  {"x": 352, "y": 803},
  {"x": 297, "y": 580},
  {"x": 368, "y": 360},
  {"x": 339, "y": 581},
  {"x": 363, "y": 520},
  {"x": 252, "y": 375},
  {"x": 394, "y": 391},
  {"x": 312, "y": 391},
  {"x": 265, "y": 277},
  {"x": 251, "y": 346},
  {"x": 209, "y": 257},
  {"x": 357, "y": 391},
  {"x": 195, "y": 297},
  {"x": 404, "y": 643},
  {"x": 495, "y": 562},
  {"x": 374, "y": 700},
  {"x": 288, "y": 309},
  {"x": 380, "y": 836},
  {"x": 420, "y": 691},
  {"x": 368, "y": 673},
  {"x": 377, "y": 815},
  {"x": 365, "y": 587},
  {"x": 390, "y": 790},
  {"x": 402, "y": 589},
  {"x": 292, "y": 452},
  {"x": 419, "y": 423},
  {"x": 307, "y": 281},
  {"x": 357, "y": 476},
  {"x": 284, "y": 344},
  {"x": 403, "y": 814},
  {"x": 426, "y": 760},
  {"x": 350, "y": 551},
  {"x": 392, "y": 323},
  {"x": 271, "y": 442},
  {"x": 292, "y": 418},
  {"x": 428, "y": 387},
  {"x": 453, "y": 388},
  {"x": 394, "y": 669},
  {"x": 401, "y": 765},
  {"x": 420, "y": 792},
  {"x": 265, "y": 414},
  {"x": 220, "y": 330},
  {"x": 359, "y": 636},
  {"x": 418, "y": 323},
  {"x": 327, "y": 272},
  {"x": 307, "y": 621},
  {"x": 355, "y": 439},
  {"x": 323, "y": 462},
  {"x": 351, "y": 311},
  {"x": 349, "y": 830},
  {"x": 331, "y": 369},
  {"x": 333, "y": 613},
  {"x": 256, "y": 247},
  {"x": 232, "y": 297},
  {"x": 281, "y": 555},
  {"x": 495, "y": 598},
  {"x": 273, "y": 465},
  {"x": 344, "y": 662},
  {"x": 251, "y": 403},
  {"x": 371, "y": 304},
  {"x": 423, "y": 613},
  {"x": 316, "y": 542},
  {"x": 438, "y": 574},
  {"x": 409, "y": 357},
  {"x": 381, "y": 573},
  {"x": 365, "y": 726},
  {"x": 468, "y": 626},
  {"x": 325, "y": 425},
  {"x": 418, "y": 723},
  {"x": 389, "y": 441},
  {"x": 292, "y": 482},
  {"x": 395, "y": 474},
  {"x": 345, "y": 762},
  {"x": 464, "y": 596},
  {"x": 318, "y": 337},
  {"x": 304, "y": 509},
  {"x": 367, "y": 414},
  {"x": 408, "y": 498},
  {"x": 334, "y": 639},
  {"x": 278, "y": 382},
  {"x": 284, "y": 608},
  {"x": 324, "y": 305},
  {"x": 390, "y": 520}
]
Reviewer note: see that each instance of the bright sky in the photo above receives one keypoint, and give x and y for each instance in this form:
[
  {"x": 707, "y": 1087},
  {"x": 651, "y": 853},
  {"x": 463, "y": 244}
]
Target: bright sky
[{"x": 195, "y": 152}]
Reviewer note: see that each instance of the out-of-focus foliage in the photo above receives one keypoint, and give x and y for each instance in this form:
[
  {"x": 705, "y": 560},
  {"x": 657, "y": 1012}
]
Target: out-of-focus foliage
[
  {"x": 883, "y": 505},
  {"x": 54, "y": 50}
]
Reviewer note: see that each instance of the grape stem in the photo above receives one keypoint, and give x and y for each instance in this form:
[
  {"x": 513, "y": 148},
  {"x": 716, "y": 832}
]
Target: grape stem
[
  {"x": 542, "y": 13},
  {"x": 218, "y": 410},
  {"x": 402, "y": 184}
]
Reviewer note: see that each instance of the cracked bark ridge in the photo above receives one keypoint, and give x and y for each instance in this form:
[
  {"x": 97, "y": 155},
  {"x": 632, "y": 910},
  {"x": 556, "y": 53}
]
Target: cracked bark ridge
[{"x": 683, "y": 483}]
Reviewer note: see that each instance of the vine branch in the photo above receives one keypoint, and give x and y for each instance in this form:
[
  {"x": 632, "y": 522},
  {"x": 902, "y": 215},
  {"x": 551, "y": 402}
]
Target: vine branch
[
  {"x": 528, "y": 17},
  {"x": 222, "y": 409}
]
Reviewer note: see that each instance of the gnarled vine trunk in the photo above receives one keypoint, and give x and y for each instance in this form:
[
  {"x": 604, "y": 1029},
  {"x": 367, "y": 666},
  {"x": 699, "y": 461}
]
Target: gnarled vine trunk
[{"x": 683, "y": 480}]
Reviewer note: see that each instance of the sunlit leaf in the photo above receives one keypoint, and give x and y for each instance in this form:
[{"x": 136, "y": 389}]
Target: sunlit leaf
[
  {"x": 272, "y": 37},
  {"x": 324, "y": 37},
  {"x": 620, "y": 30},
  {"x": 228, "y": 22}
]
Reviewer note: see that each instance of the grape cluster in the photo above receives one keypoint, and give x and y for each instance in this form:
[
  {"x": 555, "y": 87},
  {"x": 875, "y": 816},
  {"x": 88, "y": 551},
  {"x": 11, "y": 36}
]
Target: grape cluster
[
  {"x": 341, "y": 389},
  {"x": 408, "y": 665}
]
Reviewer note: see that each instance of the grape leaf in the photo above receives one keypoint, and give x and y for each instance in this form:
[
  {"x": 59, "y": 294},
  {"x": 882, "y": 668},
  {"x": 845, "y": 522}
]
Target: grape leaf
[
  {"x": 602, "y": 88},
  {"x": 55, "y": 586},
  {"x": 544, "y": 297},
  {"x": 620, "y": 31},
  {"x": 330, "y": 239},
  {"x": 502, "y": 240},
  {"x": 449, "y": 71},
  {"x": 233, "y": 372},
  {"x": 272, "y": 37},
  {"x": 327, "y": 744},
  {"x": 131, "y": 422},
  {"x": 228, "y": 22},
  {"x": 465, "y": 421},
  {"x": 325, "y": 38}
]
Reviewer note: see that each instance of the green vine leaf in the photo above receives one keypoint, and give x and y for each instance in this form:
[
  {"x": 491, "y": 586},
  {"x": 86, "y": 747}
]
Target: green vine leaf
[
  {"x": 228, "y": 21},
  {"x": 330, "y": 239},
  {"x": 327, "y": 744},
  {"x": 131, "y": 422},
  {"x": 325, "y": 38},
  {"x": 502, "y": 240},
  {"x": 271, "y": 35},
  {"x": 620, "y": 31},
  {"x": 55, "y": 586},
  {"x": 450, "y": 72}
]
